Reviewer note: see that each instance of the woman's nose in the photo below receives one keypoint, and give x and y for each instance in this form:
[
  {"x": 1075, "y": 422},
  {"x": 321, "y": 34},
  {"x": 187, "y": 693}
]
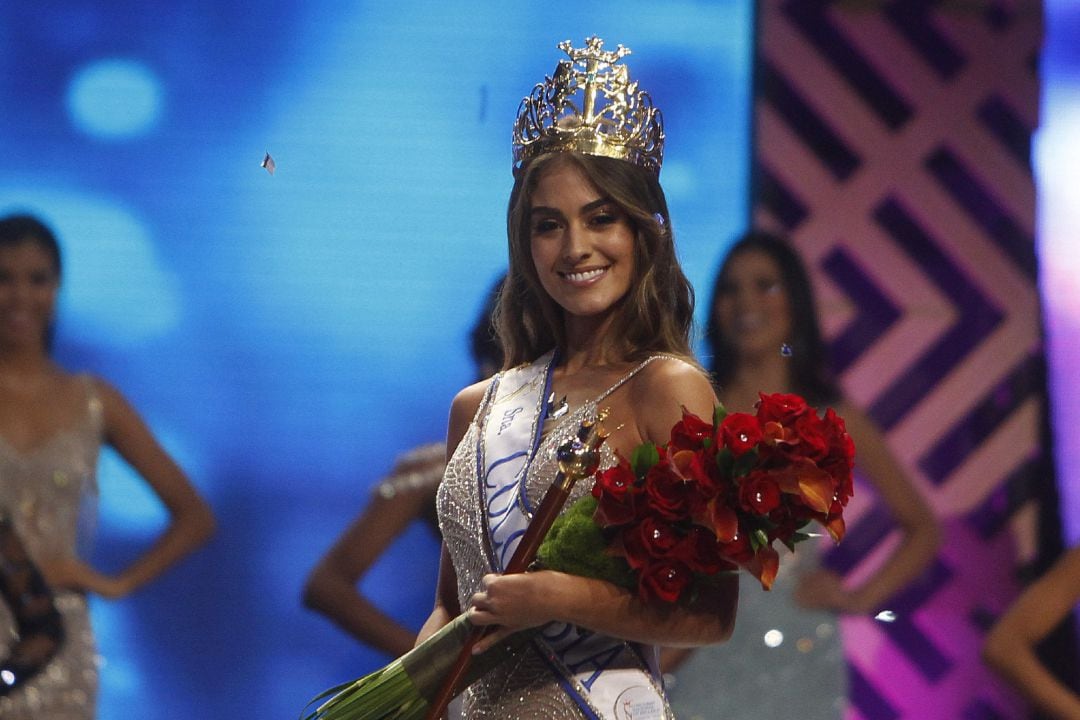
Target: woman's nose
[{"x": 575, "y": 245}]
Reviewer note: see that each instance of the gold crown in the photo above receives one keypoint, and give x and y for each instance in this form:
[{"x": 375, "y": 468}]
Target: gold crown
[{"x": 612, "y": 117}]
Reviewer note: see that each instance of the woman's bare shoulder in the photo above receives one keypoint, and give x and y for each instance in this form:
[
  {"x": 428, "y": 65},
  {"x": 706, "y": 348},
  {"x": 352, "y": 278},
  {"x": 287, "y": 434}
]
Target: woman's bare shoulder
[
  {"x": 468, "y": 400},
  {"x": 666, "y": 387}
]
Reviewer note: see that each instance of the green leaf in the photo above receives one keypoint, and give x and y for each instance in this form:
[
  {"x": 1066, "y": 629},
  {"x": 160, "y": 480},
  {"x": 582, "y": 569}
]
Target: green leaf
[
  {"x": 644, "y": 457},
  {"x": 718, "y": 414},
  {"x": 758, "y": 539}
]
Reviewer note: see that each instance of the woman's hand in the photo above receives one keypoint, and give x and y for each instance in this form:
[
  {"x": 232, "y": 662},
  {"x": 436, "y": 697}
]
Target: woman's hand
[
  {"x": 73, "y": 574},
  {"x": 513, "y": 603}
]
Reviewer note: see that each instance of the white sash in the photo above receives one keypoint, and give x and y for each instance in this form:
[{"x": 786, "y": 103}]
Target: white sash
[{"x": 607, "y": 678}]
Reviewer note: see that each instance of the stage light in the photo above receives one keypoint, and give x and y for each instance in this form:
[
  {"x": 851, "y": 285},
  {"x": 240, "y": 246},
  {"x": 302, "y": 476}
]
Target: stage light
[{"x": 115, "y": 99}]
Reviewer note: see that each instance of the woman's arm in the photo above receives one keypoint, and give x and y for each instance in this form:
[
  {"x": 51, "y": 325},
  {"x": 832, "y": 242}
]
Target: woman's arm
[
  {"x": 920, "y": 529},
  {"x": 331, "y": 589},
  {"x": 191, "y": 521},
  {"x": 1010, "y": 646},
  {"x": 517, "y": 602}
]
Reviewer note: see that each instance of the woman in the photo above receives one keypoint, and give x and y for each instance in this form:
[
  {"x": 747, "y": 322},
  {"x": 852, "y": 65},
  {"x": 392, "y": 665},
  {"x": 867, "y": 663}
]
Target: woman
[
  {"x": 595, "y": 311},
  {"x": 406, "y": 495},
  {"x": 786, "y": 651},
  {"x": 52, "y": 424}
]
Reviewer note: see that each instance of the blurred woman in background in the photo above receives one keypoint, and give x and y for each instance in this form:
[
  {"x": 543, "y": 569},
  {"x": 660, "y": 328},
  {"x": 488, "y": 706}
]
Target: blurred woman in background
[
  {"x": 52, "y": 425},
  {"x": 786, "y": 654}
]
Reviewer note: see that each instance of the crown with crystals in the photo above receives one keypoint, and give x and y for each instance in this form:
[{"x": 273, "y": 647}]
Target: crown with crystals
[{"x": 589, "y": 105}]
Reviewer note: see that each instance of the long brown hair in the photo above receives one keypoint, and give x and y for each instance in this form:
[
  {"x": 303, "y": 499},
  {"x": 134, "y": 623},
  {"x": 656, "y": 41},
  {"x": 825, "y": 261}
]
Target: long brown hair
[{"x": 656, "y": 313}]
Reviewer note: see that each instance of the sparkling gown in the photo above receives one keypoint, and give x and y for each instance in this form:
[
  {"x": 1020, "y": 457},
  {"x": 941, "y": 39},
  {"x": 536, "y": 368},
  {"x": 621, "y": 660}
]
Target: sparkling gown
[
  {"x": 523, "y": 688},
  {"x": 50, "y": 492},
  {"x": 781, "y": 660}
]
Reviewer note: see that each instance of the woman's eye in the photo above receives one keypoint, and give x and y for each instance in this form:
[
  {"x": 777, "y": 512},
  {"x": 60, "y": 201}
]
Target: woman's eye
[
  {"x": 605, "y": 218},
  {"x": 544, "y": 226}
]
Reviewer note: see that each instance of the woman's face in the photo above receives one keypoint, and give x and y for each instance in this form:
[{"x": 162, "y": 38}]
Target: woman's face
[
  {"x": 752, "y": 307},
  {"x": 28, "y": 285},
  {"x": 582, "y": 243}
]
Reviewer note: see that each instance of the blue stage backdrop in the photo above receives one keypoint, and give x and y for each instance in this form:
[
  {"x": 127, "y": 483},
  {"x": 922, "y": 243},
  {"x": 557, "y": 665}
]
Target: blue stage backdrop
[{"x": 287, "y": 335}]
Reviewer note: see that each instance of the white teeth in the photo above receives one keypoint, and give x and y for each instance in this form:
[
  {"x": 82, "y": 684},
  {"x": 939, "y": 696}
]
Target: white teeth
[{"x": 587, "y": 275}]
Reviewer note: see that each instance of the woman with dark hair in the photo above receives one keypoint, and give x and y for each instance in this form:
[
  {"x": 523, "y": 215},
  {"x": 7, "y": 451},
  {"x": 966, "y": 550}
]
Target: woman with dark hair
[
  {"x": 595, "y": 312},
  {"x": 52, "y": 424},
  {"x": 803, "y": 355},
  {"x": 785, "y": 655}
]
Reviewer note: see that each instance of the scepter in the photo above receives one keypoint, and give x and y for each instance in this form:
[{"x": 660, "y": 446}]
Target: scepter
[{"x": 578, "y": 457}]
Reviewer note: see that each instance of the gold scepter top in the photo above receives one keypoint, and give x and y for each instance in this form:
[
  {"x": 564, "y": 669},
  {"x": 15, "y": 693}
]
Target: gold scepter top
[{"x": 579, "y": 456}]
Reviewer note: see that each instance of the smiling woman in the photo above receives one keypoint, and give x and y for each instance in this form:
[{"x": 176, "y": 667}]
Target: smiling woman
[{"x": 595, "y": 310}]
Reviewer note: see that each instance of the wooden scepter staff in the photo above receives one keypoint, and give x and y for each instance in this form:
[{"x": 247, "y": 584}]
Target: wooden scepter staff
[{"x": 578, "y": 458}]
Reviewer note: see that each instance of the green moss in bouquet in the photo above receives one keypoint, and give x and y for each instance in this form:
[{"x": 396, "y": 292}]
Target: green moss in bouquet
[{"x": 576, "y": 545}]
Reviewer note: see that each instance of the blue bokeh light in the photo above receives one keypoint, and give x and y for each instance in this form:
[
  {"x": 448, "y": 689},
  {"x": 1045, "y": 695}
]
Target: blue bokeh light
[{"x": 115, "y": 98}]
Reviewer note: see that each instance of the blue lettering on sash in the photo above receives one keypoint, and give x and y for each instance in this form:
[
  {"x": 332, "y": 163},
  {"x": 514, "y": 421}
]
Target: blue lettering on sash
[
  {"x": 508, "y": 419},
  {"x": 497, "y": 463}
]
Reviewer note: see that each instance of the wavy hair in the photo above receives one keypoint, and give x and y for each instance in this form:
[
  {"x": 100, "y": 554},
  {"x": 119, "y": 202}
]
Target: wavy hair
[
  {"x": 656, "y": 313},
  {"x": 809, "y": 361}
]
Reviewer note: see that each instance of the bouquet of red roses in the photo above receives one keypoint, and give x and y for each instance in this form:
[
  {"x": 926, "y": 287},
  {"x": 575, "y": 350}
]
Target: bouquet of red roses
[{"x": 714, "y": 498}]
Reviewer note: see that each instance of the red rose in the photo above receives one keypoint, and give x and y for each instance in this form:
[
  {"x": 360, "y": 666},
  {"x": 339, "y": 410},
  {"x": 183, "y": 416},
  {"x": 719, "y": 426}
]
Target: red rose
[
  {"x": 664, "y": 580},
  {"x": 615, "y": 489},
  {"x": 658, "y": 537},
  {"x": 701, "y": 552},
  {"x": 759, "y": 492},
  {"x": 689, "y": 433},
  {"x": 780, "y": 408},
  {"x": 837, "y": 438},
  {"x": 668, "y": 494},
  {"x": 647, "y": 541},
  {"x": 738, "y": 550},
  {"x": 813, "y": 440},
  {"x": 740, "y": 432}
]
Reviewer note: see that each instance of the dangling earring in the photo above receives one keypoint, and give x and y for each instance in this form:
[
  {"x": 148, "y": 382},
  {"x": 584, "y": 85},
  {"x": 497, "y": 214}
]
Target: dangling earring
[{"x": 39, "y": 627}]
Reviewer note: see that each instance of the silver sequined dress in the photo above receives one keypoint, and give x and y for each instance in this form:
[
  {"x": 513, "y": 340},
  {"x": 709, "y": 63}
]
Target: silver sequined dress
[
  {"x": 50, "y": 491},
  {"x": 525, "y": 687}
]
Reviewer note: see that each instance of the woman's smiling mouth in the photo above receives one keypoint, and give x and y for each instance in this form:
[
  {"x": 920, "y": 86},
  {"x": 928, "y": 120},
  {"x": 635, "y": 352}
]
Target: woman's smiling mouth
[{"x": 583, "y": 277}]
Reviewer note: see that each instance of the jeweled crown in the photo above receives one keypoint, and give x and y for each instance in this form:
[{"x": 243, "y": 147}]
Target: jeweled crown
[{"x": 589, "y": 105}]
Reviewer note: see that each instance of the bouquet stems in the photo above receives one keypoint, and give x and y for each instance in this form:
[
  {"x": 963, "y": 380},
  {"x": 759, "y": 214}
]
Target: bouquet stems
[{"x": 404, "y": 689}]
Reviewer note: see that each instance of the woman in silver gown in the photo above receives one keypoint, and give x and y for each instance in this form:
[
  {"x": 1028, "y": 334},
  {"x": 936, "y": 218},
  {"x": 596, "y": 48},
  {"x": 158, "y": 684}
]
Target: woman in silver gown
[
  {"x": 52, "y": 424},
  {"x": 595, "y": 311}
]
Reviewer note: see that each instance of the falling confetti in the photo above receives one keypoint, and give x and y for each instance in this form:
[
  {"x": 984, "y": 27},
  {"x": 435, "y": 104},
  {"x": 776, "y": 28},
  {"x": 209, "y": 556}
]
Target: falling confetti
[
  {"x": 785, "y": 349},
  {"x": 886, "y": 616},
  {"x": 269, "y": 164}
]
